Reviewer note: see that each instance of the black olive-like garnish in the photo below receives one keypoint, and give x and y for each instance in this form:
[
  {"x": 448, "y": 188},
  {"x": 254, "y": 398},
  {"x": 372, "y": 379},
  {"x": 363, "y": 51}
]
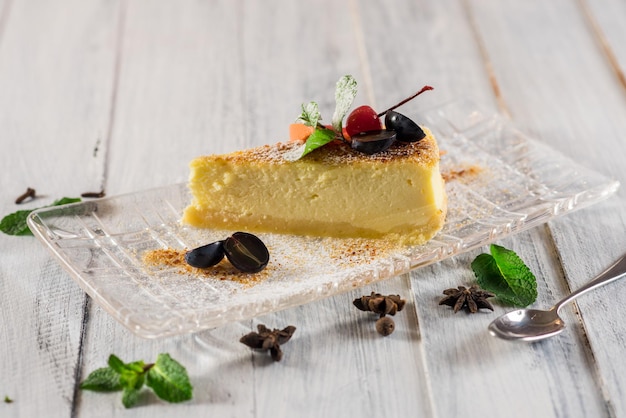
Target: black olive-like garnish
[
  {"x": 205, "y": 256},
  {"x": 246, "y": 252},
  {"x": 405, "y": 128},
  {"x": 373, "y": 142}
]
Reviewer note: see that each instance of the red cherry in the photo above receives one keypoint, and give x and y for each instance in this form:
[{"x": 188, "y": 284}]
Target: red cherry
[{"x": 363, "y": 119}]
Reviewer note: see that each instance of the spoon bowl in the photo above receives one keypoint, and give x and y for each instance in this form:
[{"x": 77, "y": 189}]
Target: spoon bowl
[
  {"x": 535, "y": 324},
  {"x": 527, "y": 325}
]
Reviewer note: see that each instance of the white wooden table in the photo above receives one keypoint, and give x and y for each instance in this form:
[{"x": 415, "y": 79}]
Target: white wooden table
[{"x": 119, "y": 95}]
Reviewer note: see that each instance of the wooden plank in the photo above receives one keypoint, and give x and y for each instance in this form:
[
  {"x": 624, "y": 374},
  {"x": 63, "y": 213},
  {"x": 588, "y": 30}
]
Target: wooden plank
[
  {"x": 514, "y": 379},
  {"x": 573, "y": 94},
  {"x": 411, "y": 44},
  {"x": 55, "y": 80},
  {"x": 5, "y": 12},
  {"x": 223, "y": 78},
  {"x": 339, "y": 364},
  {"x": 459, "y": 353},
  {"x": 604, "y": 20},
  {"x": 178, "y": 87},
  {"x": 179, "y": 92},
  {"x": 597, "y": 243}
]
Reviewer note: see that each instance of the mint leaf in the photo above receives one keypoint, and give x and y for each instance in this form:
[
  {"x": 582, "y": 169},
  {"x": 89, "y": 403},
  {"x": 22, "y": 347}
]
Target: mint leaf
[
  {"x": 132, "y": 380},
  {"x": 319, "y": 138},
  {"x": 345, "y": 92},
  {"x": 130, "y": 397},
  {"x": 136, "y": 366},
  {"x": 169, "y": 380},
  {"x": 64, "y": 201},
  {"x": 310, "y": 115},
  {"x": 15, "y": 223},
  {"x": 166, "y": 377},
  {"x": 505, "y": 274},
  {"x": 104, "y": 379},
  {"x": 116, "y": 364},
  {"x": 130, "y": 375}
]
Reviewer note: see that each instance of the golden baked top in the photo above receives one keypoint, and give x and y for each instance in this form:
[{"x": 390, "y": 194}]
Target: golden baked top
[{"x": 424, "y": 153}]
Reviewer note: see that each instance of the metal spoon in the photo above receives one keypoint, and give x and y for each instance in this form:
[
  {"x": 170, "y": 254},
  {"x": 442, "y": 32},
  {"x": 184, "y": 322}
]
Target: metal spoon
[{"x": 535, "y": 324}]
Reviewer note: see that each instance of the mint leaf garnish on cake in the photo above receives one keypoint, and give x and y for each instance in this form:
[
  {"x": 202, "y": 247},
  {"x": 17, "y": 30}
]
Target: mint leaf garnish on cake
[{"x": 345, "y": 92}]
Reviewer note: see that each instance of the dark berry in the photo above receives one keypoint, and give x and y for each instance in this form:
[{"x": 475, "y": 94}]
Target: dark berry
[
  {"x": 406, "y": 129},
  {"x": 362, "y": 119},
  {"x": 205, "y": 256},
  {"x": 246, "y": 252},
  {"x": 373, "y": 142}
]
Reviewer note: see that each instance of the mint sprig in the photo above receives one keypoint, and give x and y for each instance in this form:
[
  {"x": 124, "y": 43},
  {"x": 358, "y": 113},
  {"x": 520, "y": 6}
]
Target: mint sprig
[
  {"x": 310, "y": 115},
  {"x": 345, "y": 92},
  {"x": 166, "y": 377},
  {"x": 506, "y": 275},
  {"x": 15, "y": 223}
]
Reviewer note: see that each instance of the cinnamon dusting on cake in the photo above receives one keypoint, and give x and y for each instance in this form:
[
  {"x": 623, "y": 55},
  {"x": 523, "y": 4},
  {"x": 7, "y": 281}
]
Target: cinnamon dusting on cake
[
  {"x": 424, "y": 152},
  {"x": 164, "y": 258}
]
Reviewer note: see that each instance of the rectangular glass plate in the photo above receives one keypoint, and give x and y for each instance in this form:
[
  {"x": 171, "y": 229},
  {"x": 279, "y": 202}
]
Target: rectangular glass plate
[{"x": 520, "y": 184}]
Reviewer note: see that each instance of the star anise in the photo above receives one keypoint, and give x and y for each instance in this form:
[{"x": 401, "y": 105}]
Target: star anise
[
  {"x": 266, "y": 339},
  {"x": 380, "y": 304},
  {"x": 472, "y": 299}
]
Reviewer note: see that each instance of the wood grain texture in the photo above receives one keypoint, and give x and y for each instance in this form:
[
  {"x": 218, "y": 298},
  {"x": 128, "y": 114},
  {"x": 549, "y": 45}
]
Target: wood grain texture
[
  {"x": 604, "y": 21},
  {"x": 457, "y": 348},
  {"x": 217, "y": 103},
  {"x": 122, "y": 94},
  {"x": 576, "y": 100},
  {"x": 55, "y": 73}
]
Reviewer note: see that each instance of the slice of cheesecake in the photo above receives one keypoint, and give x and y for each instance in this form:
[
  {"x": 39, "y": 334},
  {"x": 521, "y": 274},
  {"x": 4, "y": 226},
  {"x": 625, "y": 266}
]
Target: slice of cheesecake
[{"x": 332, "y": 192}]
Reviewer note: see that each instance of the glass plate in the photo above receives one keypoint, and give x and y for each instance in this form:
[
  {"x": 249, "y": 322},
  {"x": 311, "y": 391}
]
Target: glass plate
[{"x": 101, "y": 243}]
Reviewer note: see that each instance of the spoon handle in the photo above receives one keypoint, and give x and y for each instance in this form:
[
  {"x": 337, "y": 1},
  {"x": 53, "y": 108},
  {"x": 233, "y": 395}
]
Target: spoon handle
[{"x": 616, "y": 271}]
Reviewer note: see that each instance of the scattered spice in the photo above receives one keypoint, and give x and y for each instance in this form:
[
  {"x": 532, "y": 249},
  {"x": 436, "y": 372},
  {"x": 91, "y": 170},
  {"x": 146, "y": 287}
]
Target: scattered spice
[
  {"x": 385, "y": 326},
  {"x": 163, "y": 258},
  {"x": 266, "y": 339},
  {"x": 93, "y": 194},
  {"x": 462, "y": 173},
  {"x": 350, "y": 252},
  {"x": 28, "y": 194},
  {"x": 381, "y": 305},
  {"x": 472, "y": 299}
]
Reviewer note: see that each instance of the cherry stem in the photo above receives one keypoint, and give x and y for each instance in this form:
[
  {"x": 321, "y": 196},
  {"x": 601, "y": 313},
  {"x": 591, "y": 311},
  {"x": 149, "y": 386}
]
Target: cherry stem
[{"x": 425, "y": 88}]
